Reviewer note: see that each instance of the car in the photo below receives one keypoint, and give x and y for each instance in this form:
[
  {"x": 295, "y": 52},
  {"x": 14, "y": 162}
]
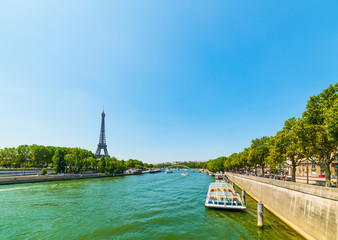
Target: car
[{"x": 321, "y": 175}]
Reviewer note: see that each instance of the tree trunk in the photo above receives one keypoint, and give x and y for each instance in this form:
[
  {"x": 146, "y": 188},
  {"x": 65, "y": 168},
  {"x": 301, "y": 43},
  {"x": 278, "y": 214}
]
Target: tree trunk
[
  {"x": 307, "y": 170},
  {"x": 327, "y": 173},
  {"x": 293, "y": 170},
  {"x": 263, "y": 170}
]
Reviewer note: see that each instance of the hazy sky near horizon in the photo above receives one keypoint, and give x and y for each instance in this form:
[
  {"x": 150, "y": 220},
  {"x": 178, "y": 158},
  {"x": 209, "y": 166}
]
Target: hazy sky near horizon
[{"x": 178, "y": 80}]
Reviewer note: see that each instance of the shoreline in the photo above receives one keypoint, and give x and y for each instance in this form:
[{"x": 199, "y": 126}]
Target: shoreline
[{"x": 50, "y": 178}]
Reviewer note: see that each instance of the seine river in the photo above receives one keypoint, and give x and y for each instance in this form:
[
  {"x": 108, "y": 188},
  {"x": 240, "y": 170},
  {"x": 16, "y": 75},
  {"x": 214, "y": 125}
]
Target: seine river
[{"x": 149, "y": 206}]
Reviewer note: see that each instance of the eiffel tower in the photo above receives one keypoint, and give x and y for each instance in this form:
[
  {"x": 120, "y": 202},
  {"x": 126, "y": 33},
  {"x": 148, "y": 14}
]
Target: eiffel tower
[{"x": 102, "y": 142}]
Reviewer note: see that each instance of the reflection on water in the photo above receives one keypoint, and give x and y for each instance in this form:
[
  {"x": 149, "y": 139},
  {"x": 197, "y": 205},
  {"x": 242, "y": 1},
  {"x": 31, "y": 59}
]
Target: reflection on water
[{"x": 150, "y": 206}]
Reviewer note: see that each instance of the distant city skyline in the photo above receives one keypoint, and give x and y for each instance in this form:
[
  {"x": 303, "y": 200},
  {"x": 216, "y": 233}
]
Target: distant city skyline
[{"x": 179, "y": 81}]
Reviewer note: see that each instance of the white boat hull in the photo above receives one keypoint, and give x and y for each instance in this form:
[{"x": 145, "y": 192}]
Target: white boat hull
[{"x": 225, "y": 206}]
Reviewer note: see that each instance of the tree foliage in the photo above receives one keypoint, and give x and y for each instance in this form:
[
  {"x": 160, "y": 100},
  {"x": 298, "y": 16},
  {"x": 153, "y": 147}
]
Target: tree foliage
[
  {"x": 321, "y": 116},
  {"x": 259, "y": 152},
  {"x": 314, "y": 137},
  {"x": 286, "y": 146},
  {"x": 59, "y": 161}
]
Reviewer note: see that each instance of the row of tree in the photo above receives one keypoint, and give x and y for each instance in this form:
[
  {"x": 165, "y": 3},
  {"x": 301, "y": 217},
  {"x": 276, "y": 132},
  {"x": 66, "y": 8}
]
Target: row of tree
[
  {"x": 41, "y": 156},
  {"x": 63, "y": 159},
  {"x": 312, "y": 138},
  {"x": 196, "y": 165},
  {"x": 202, "y": 165}
]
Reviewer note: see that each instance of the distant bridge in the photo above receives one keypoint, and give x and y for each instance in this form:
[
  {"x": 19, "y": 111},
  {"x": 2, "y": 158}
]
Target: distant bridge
[{"x": 178, "y": 166}]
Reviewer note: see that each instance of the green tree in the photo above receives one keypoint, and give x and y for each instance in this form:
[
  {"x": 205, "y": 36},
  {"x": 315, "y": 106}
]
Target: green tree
[
  {"x": 59, "y": 162},
  {"x": 70, "y": 162},
  {"x": 111, "y": 164},
  {"x": 10, "y": 154},
  {"x": 7, "y": 156},
  {"x": 244, "y": 158},
  {"x": 37, "y": 155},
  {"x": 133, "y": 163},
  {"x": 259, "y": 152},
  {"x": 102, "y": 164},
  {"x": 331, "y": 121},
  {"x": 23, "y": 154},
  {"x": 307, "y": 140},
  {"x": 216, "y": 165},
  {"x": 93, "y": 163},
  {"x": 232, "y": 162},
  {"x": 286, "y": 145},
  {"x": 321, "y": 115},
  {"x": 203, "y": 165},
  {"x": 276, "y": 159},
  {"x": 120, "y": 167},
  {"x": 41, "y": 155},
  {"x": 78, "y": 159},
  {"x": 86, "y": 163}
]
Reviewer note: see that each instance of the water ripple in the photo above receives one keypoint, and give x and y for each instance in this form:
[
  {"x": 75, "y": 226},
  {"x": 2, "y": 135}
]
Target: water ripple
[{"x": 150, "y": 206}]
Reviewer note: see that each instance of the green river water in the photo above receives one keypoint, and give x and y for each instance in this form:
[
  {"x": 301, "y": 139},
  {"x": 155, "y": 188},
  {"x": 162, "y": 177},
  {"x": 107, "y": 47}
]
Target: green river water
[{"x": 148, "y": 206}]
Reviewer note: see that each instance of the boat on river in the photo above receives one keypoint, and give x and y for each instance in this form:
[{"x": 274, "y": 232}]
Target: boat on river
[
  {"x": 218, "y": 176},
  {"x": 184, "y": 174},
  {"x": 137, "y": 172},
  {"x": 222, "y": 195},
  {"x": 168, "y": 171}
]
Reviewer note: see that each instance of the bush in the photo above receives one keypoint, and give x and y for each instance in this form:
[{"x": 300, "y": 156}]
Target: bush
[{"x": 43, "y": 171}]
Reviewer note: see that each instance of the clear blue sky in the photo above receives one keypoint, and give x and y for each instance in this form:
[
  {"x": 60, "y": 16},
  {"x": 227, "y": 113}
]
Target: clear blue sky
[{"x": 179, "y": 80}]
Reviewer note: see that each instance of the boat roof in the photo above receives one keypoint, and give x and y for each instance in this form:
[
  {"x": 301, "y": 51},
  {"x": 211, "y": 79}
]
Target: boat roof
[{"x": 220, "y": 184}]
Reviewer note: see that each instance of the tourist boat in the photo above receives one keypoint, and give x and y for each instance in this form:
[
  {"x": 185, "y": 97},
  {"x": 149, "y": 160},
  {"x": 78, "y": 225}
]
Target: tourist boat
[
  {"x": 169, "y": 171},
  {"x": 222, "y": 195},
  {"x": 218, "y": 176},
  {"x": 154, "y": 171},
  {"x": 184, "y": 174},
  {"x": 137, "y": 172}
]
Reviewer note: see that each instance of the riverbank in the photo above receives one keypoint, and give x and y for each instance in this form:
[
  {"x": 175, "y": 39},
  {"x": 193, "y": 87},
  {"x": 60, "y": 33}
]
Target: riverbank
[{"x": 52, "y": 177}]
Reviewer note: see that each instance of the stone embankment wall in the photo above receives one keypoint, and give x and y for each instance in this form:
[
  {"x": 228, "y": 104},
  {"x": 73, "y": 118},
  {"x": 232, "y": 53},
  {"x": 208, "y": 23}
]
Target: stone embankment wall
[
  {"x": 310, "y": 210},
  {"x": 49, "y": 178}
]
